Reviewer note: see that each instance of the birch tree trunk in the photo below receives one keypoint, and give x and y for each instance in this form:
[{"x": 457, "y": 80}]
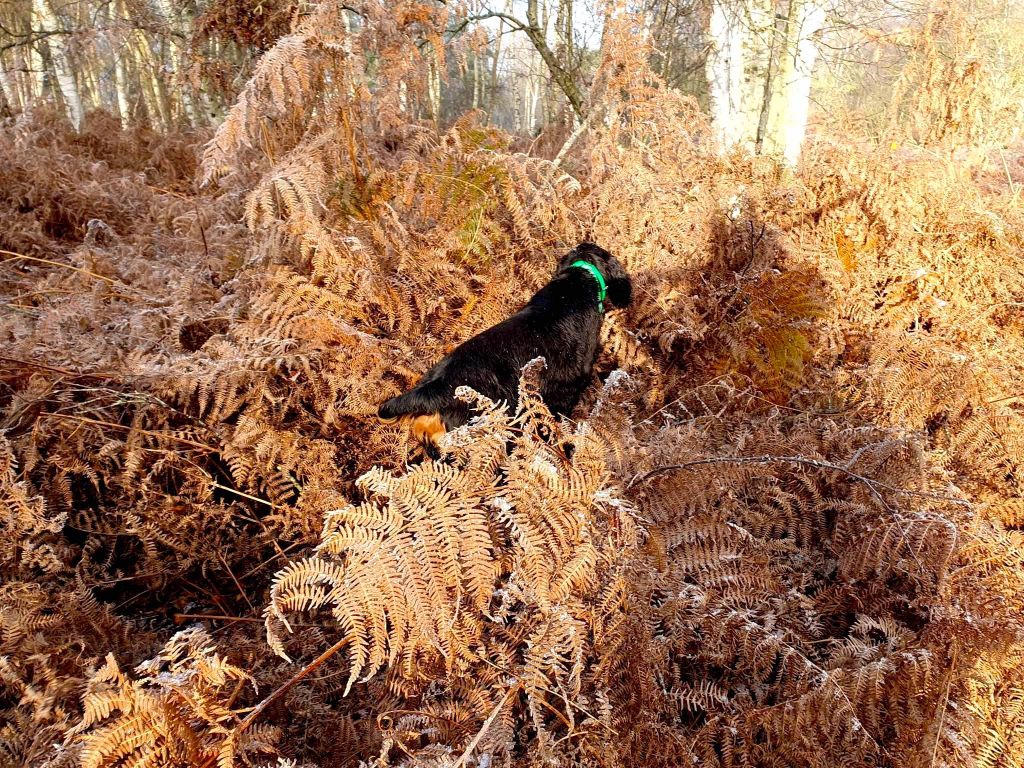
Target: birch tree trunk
[
  {"x": 759, "y": 70},
  {"x": 434, "y": 90},
  {"x": 492, "y": 95},
  {"x": 150, "y": 80},
  {"x": 791, "y": 96},
  {"x": 47, "y": 22},
  {"x": 34, "y": 76},
  {"x": 725, "y": 72},
  {"x": 9, "y": 88},
  {"x": 474, "y": 62},
  {"x": 517, "y": 101},
  {"x": 176, "y": 26},
  {"x": 118, "y": 49},
  {"x": 121, "y": 87}
]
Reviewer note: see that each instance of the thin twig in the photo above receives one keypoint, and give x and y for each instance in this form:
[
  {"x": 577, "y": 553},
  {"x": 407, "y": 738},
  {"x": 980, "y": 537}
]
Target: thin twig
[
  {"x": 278, "y": 693},
  {"x": 63, "y": 371},
  {"x": 19, "y": 256},
  {"x": 272, "y": 558},
  {"x": 485, "y": 727},
  {"x": 244, "y": 495},
  {"x": 112, "y": 425},
  {"x": 182, "y": 617},
  {"x": 238, "y": 584},
  {"x": 290, "y": 683}
]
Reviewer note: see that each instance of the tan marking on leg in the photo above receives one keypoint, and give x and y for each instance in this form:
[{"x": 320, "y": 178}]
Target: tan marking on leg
[{"x": 427, "y": 429}]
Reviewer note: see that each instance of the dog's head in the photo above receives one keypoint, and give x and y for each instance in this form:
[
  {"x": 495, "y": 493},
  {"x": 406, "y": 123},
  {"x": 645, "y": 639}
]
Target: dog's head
[{"x": 620, "y": 287}]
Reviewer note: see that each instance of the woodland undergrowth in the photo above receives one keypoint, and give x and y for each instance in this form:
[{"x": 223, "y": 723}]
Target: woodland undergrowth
[{"x": 788, "y": 533}]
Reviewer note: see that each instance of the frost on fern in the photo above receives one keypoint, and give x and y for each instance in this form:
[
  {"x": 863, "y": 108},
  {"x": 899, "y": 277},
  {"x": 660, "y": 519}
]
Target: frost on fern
[
  {"x": 420, "y": 576},
  {"x": 177, "y": 712}
]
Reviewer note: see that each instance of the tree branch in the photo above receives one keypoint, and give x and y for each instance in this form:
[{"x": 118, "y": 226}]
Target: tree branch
[{"x": 531, "y": 28}]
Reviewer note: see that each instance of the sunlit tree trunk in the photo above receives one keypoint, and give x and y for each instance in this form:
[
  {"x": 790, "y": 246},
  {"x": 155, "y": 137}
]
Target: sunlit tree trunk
[
  {"x": 791, "y": 92},
  {"x": 517, "y": 102},
  {"x": 47, "y": 22},
  {"x": 34, "y": 73},
  {"x": 90, "y": 81},
  {"x": 151, "y": 81},
  {"x": 121, "y": 88},
  {"x": 119, "y": 53},
  {"x": 176, "y": 55},
  {"x": 759, "y": 70},
  {"x": 492, "y": 96},
  {"x": 474, "y": 61},
  {"x": 403, "y": 96},
  {"x": 10, "y": 88},
  {"x": 207, "y": 109},
  {"x": 481, "y": 80},
  {"x": 725, "y": 72},
  {"x": 434, "y": 90}
]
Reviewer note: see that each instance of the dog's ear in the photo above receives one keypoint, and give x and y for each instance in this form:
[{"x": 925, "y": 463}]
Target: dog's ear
[
  {"x": 566, "y": 260},
  {"x": 620, "y": 287},
  {"x": 586, "y": 251}
]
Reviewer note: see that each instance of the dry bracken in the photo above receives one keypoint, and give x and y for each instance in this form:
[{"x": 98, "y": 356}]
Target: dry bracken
[{"x": 783, "y": 529}]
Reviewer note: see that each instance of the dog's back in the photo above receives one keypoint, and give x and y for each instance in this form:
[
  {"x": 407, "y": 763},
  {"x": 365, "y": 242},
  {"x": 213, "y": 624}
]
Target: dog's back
[{"x": 561, "y": 323}]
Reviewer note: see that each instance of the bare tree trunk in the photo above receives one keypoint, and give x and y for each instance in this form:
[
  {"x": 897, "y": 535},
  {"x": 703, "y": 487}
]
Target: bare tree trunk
[
  {"x": 151, "y": 82},
  {"x": 776, "y": 54},
  {"x": 725, "y": 72},
  {"x": 790, "y": 100},
  {"x": 517, "y": 101},
  {"x": 47, "y": 22},
  {"x": 759, "y": 73},
  {"x": 434, "y": 91},
  {"x": 90, "y": 81},
  {"x": 121, "y": 89},
  {"x": 175, "y": 28},
  {"x": 474, "y": 61},
  {"x": 34, "y": 77},
  {"x": 563, "y": 30},
  {"x": 535, "y": 32},
  {"x": 120, "y": 69},
  {"x": 492, "y": 96},
  {"x": 481, "y": 79},
  {"x": 9, "y": 88},
  {"x": 533, "y": 93}
]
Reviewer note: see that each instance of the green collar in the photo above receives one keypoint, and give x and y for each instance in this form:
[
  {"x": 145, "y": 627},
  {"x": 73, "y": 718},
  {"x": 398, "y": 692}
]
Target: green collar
[{"x": 602, "y": 289}]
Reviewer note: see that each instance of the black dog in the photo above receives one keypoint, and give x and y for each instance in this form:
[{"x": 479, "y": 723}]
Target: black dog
[{"x": 561, "y": 323}]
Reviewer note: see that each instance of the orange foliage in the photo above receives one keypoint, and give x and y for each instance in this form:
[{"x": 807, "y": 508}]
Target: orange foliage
[{"x": 789, "y": 533}]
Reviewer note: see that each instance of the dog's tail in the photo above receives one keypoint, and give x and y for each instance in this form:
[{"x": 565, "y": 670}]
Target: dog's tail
[
  {"x": 423, "y": 406},
  {"x": 418, "y": 401}
]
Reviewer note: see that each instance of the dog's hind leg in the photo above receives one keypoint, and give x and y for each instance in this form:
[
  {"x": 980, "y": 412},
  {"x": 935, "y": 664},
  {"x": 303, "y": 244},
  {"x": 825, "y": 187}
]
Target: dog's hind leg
[
  {"x": 561, "y": 398},
  {"x": 426, "y": 430}
]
